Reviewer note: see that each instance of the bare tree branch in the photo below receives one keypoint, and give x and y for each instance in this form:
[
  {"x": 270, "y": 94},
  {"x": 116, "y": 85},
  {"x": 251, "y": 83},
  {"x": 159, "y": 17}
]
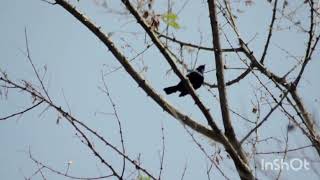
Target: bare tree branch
[{"x": 21, "y": 112}]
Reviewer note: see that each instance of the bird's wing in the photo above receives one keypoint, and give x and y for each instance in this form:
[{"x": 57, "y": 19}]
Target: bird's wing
[{"x": 194, "y": 74}]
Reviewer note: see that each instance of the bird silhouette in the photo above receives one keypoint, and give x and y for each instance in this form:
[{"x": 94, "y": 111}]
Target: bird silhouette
[{"x": 196, "y": 79}]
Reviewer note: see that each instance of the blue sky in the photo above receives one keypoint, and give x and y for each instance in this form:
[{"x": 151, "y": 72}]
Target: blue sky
[{"x": 74, "y": 59}]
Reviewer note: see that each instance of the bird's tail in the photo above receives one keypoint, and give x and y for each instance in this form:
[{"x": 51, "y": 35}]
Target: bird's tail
[{"x": 171, "y": 89}]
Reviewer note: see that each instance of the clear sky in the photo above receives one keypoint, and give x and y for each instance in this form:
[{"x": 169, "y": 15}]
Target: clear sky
[{"x": 75, "y": 58}]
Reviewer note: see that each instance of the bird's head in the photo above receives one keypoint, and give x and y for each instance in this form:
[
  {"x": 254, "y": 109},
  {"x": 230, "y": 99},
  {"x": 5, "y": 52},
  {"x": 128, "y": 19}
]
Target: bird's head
[{"x": 201, "y": 69}]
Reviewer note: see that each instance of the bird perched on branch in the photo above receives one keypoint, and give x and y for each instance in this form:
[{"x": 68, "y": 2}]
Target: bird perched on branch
[{"x": 195, "y": 77}]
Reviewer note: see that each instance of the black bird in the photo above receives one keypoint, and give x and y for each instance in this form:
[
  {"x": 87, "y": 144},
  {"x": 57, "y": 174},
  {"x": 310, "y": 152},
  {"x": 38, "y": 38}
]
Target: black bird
[{"x": 195, "y": 77}]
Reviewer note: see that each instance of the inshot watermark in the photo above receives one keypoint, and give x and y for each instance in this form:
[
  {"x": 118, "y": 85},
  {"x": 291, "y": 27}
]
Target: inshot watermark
[{"x": 294, "y": 164}]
